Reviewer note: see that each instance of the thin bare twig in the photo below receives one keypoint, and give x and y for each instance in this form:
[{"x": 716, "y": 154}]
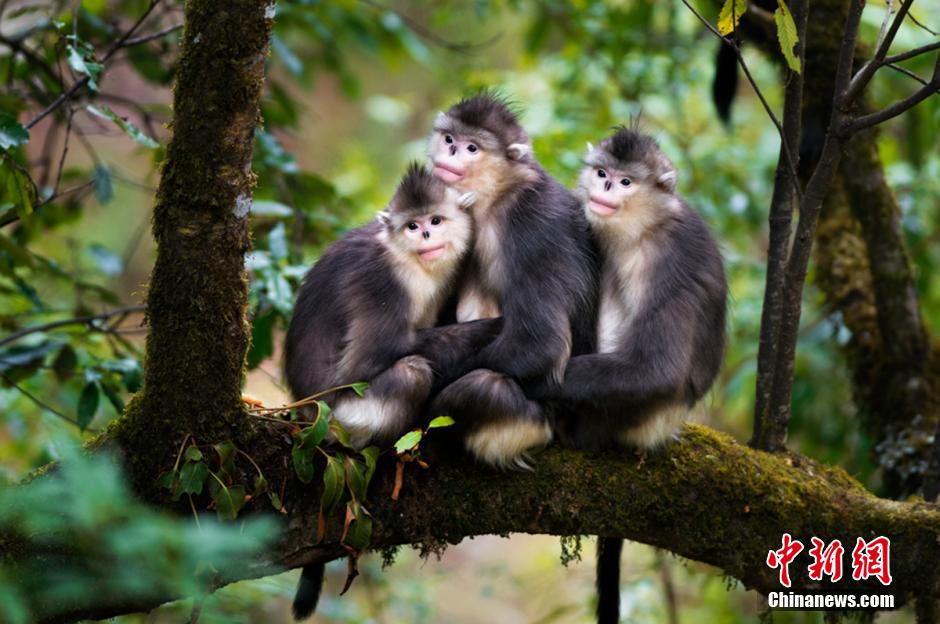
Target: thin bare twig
[
  {"x": 790, "y": 159},
  {"x": 157, "y": 35},
  {"x": 79, "y": 320},
  {"x": 83, "y": 81},
  {"x": 862, "y": 78},
  {"x": 903, "y": 56},
  {"x": 906, "y": 72},
  {"x": 45, "y": 406},
  {"x": 921, "y": 25},
  {"x": 866, "y": 121}
]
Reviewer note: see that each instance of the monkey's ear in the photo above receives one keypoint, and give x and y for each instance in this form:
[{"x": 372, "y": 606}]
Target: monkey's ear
[
  {"x": 383, "y": 217},
  {"x": 518, "y": 151},
  {"x": 667, "y": 181},
  {"x": 467, "y": 199},
  {"x": 590, "y": 147}
]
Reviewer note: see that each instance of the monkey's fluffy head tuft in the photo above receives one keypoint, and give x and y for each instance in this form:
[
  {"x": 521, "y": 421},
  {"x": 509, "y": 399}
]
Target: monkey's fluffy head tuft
[
  {"x": 418, "y": 191},
  {"x": 629, "y": 150},
  {"x": 488, "y": 117}
]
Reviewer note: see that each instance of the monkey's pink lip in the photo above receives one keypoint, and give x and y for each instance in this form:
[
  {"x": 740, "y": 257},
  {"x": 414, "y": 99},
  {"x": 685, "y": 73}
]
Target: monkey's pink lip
[
  {"x": 431, "y": 253},
  {"x": 447, "y": 173},
  {"x": 601, "y": 207}
]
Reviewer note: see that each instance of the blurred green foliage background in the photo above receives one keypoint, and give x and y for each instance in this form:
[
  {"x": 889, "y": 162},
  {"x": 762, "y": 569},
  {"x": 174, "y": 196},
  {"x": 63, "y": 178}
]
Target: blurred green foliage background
[{"x": 351, "y": 92}]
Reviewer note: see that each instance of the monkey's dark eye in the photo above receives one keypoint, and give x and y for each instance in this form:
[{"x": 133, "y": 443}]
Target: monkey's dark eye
[
  {"x": 412, "y": 226},
  {"x": 448, "y": 138},
  {"x": 435, "y": 220},
  {"x": 626, "y": 182},
  {"x": 601, "y": 173},
  {"x": 472, "y": 148}
]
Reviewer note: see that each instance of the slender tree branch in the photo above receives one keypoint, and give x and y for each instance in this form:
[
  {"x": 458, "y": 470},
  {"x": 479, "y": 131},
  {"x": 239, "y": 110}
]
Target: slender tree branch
[
  {"x": 770, "y": 433},
  {"x": 746, "y": 498},
  {"x": 862, "y": 78},
  {"x": 151, "y": 37},
  {"x": 780, "y": 407},
  {"x": 788, "y": 153},
  {"x": 921, "y": 25},
  {"x": 82, "y": 82},
  {"x": 17, "y": 45},
  {"x": 79, "y": 320},
  {"x": 867, "y": 121},
  {"x": 906, "y": 72},
  {"x": 903, "y": 56}
]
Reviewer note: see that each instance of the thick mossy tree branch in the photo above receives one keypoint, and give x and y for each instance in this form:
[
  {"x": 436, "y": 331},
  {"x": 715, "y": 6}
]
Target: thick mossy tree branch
[
  {"x": 705, "y": 497},
  {"x": 197, "y": 297}
]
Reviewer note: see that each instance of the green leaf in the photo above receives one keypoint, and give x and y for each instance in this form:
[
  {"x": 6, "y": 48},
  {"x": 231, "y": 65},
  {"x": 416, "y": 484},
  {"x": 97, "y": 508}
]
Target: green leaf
[
  {"x": 226, "y": 452},
  {"x": 229, "y": 501},
  {"x": 192, "y": 477},
  {"x": 323, "y": 409},
  {"x": 65, "y": 363},
  {"x": 192, "y": 454},
  {"x": 730, "y": 15},
  {"x": 104, "y": 190},
  {"x": 275, "y": 500},
  {"x": 408, "y": 441},
  {"x": 333, "y": 479},
  {"x": 359, "y": 532},
  {"x": 168, "y": 479},
  {"x": 313, "y": 435},
  {"x": 359, "y": 387},
  {"x": 124, "y": 124},
  {"x": 12, "y": 134},
  {"x": 261, "y": 485},
  {"x": 371, "y": 455},
  {"x": 787, "y": 34},
  {"x": 114, "y": 397},
  {"x": 88, "y": 404},
  {"x": 80, "y": 59},
  {"x": 267, "y": 208},
  {"x": 20, "y": 189},
  {"x": 356, "y": 478},
  {"x": 293, "y": 64},
  {"x": 302, "y": 458},
  {"x": 441, "y": 421}
]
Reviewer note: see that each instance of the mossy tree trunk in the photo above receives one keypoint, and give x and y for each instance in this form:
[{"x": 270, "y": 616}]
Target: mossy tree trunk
[
  {"x": 197, "y": 297},
  {"x": 863, "y": 266}
]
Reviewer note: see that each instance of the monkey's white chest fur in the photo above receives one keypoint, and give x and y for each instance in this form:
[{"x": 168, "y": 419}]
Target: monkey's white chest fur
[
  {"x": 623, "y": 289},
  {"x": 478, "y": 295}
]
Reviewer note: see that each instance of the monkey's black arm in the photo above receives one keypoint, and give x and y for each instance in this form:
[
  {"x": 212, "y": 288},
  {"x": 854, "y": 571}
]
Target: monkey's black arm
[{"x": 450, "y": 348}]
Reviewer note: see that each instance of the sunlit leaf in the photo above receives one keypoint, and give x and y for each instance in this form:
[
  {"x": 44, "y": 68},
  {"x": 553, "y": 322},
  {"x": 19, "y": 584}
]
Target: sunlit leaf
[
  {"x": 268, "y": 208},
  {"x": 106, "y": 260},
  {"x": 359, "y": 387},
  {"x": 730, "y": 15},
  {"x": 441, "y": 421},
  {"x": 408, "y": 441},
  {"x": 787, "y": 34},
  {"x": 192, "y": 477}
]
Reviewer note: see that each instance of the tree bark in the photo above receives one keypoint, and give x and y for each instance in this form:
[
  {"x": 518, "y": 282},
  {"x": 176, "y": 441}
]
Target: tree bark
[
  {"x": 197, "y": 297},
  {"x": 705, "y": 497}
]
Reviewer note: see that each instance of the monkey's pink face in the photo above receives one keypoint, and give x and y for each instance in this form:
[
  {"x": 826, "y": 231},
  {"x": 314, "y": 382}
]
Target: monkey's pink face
[
  {"x": 453, "y": 156},
  {"x": 428, "y": 236},
  {"x": 608, "y": 190}
]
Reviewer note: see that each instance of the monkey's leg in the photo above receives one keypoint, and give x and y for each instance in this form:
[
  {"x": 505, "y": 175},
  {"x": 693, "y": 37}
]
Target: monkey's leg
[
  {"x": 499, "y": 424},
  {"x": 389, "y": 406},
  {"x": 449, "y": 348}
]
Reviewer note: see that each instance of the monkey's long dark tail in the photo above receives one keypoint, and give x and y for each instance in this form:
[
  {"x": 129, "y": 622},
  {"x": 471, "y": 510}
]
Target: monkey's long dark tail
[
  {"x": 608, "y": 579},
  {"x": 308, "y": 591}
]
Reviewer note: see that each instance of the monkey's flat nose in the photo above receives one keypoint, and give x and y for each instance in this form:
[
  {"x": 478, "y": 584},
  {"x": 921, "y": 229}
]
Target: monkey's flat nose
[
  {"x": 607, "y": 185},
  {"x": 453, "y": 150},
  {"x": 426, "y": 234}
]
